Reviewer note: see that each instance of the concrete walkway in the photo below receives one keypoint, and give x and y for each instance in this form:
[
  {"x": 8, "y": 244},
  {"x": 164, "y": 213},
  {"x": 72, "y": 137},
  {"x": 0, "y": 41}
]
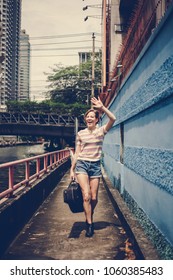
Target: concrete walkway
[{"x": 56, "y": 233}]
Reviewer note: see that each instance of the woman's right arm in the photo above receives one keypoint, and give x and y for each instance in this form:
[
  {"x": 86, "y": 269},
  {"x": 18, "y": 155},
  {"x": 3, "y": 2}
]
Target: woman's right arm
[{"x": 72, "y": 172}]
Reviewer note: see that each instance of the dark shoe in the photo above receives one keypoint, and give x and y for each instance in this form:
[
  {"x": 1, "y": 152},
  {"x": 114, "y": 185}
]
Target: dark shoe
[{"x": 89, "y": 230}]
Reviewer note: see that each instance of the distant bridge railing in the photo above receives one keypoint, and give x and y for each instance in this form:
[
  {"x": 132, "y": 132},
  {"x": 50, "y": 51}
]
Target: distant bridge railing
[
  {"x": 42, "y": 119},
  {"x": 33, "y": 168}
]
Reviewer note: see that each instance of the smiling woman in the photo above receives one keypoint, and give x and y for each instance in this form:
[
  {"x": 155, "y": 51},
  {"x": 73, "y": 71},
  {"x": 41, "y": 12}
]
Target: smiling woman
[{"x": 86, "y": 166}]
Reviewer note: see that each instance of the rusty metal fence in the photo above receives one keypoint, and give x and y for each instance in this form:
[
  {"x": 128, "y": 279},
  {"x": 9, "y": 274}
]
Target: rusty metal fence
[
  {"x": 43, "y": 164},
  {"x": 146, "y": 18}
]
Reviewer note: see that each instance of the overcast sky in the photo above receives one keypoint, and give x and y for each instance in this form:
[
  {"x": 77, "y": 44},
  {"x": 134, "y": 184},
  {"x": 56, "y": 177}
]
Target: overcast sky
[{"x": 63, "y": 19}]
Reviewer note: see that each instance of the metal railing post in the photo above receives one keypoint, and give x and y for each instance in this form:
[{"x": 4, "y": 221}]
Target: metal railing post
[
  {"x": 11, "y": 179},
  {"x": 27, "y": 172},
  {"x": 38, "y": 167},
  {"x": 45, "y": 162}
]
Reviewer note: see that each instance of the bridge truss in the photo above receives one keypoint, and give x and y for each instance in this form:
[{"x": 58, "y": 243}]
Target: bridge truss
[{"x": 42, "y": 119}]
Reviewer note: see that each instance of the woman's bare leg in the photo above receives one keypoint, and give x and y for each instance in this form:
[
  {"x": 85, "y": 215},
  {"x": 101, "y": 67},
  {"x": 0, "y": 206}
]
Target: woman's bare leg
[
  {"x": 83, "y": 181},
  {"x": 94, "y": 186}
]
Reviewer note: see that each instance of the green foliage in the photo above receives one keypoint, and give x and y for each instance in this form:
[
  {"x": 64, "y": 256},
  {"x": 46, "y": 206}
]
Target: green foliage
[
  {"x": 16, "y": 106},
  {"x": 69, "y": 91},
  {"x": 46, "y": 107},
  {"x": 63, "y": 84},
  {"x": 78, "y": 109},
  {"x": 72, "y": 84}
]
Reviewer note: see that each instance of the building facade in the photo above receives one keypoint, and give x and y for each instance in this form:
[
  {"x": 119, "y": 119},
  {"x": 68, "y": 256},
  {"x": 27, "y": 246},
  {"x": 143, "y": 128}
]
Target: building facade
[
  {"x": 24, "y": 66},
  {"x": 84, "y": 57},
  {"x": 138, "y": 151},
  {"x": 9, "y": 49}
]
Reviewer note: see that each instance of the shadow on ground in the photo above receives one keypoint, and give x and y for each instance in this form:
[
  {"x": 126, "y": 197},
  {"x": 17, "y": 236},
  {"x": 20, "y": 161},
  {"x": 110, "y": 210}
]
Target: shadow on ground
[{"x": 78, "y": 227}]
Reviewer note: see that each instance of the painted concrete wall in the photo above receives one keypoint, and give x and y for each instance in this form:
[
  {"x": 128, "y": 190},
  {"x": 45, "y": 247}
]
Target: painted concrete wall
[{"x": 145, "y": 107}]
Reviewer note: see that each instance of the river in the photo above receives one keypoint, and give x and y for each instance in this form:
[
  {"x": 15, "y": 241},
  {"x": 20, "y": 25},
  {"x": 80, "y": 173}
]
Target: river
[{"x": 8, "y": 154}]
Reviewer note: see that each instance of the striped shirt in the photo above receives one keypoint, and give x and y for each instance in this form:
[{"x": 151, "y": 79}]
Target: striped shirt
[{"x": 90, "y": 143}]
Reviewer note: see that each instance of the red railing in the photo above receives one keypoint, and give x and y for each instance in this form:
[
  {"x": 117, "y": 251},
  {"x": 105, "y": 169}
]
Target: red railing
[{"x": 43, "y": 165}]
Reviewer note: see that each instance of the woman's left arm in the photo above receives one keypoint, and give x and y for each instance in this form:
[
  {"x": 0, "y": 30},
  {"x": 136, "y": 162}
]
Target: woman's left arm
[
  {"x": 99, "y": 106},
  {"x": 111, "y": 117}
]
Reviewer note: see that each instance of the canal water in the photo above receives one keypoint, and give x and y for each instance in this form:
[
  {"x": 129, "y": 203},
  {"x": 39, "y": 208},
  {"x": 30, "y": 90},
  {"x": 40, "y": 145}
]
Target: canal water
[{"x": 8, "y": 154}]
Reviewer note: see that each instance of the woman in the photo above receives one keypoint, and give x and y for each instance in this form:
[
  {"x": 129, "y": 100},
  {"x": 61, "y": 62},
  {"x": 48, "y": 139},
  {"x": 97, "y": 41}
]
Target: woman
[{"x": 86, "y": 162}]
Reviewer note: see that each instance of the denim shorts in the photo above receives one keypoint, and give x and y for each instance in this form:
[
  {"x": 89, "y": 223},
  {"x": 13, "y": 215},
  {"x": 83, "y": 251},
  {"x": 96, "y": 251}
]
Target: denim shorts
[{"x": 91, "y": 168}]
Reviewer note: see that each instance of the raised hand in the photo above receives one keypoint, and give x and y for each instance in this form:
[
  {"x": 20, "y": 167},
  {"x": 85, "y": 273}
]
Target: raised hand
[{"x": 97, "y": 103}]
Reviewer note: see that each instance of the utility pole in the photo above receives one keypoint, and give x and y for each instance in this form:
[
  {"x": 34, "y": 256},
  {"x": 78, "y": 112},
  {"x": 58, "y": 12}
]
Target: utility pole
[
  {"x": 104, "y": 31},
  {"x": 93, "y": 66}
]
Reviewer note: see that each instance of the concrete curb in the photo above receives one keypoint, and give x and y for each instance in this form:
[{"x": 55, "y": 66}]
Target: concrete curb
[{"x": 144, "y": 248}]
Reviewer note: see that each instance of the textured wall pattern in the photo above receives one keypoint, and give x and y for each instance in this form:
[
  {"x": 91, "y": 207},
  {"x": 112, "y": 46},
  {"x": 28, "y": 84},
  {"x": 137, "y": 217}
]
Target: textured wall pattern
[
  {"x": 164, "y": 248},
  {"x": 158, "y": 87},
  {"x": 155, "y": 165}
]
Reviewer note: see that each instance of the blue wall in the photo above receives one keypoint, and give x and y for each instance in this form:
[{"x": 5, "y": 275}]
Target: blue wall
[{"x": 145, "y": 107}]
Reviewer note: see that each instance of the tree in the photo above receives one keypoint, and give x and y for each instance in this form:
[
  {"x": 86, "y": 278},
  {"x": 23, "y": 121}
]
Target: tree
[
  {"x": 72, "y": 84},
  {"x": 46, "y": 107},
  {"x": 63, "y": 84}
]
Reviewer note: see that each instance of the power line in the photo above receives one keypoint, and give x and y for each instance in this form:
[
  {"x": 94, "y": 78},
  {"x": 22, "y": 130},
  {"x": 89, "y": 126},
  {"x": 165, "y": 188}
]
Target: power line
[
  {"x": 54, "y": 55},
  {"x": 47, "y": 55},
  {"x": 76, "y": 54},
  {"x": 63, "y": 36},
  {"x": 37, "y": 56},
  {"x": 68, "y": 42},
  {"x": 58, "y": 43},
  {"x": 62, "y": 49}
]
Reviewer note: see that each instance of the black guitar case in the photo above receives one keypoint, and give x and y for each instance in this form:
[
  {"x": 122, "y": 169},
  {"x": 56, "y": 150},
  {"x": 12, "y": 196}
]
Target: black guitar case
[{"x": 73, "y": 197}]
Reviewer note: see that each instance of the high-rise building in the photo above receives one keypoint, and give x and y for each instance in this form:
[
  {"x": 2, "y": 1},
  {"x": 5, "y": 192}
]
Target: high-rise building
[
  {"x": 9, "y": 49},
  {"x": 24, "y": 66}
]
